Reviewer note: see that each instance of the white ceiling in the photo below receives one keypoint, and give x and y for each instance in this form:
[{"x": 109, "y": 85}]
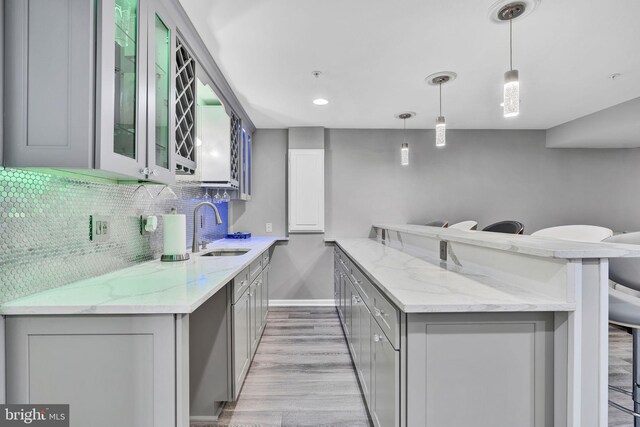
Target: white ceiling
[{"x": 376, "y": 54}]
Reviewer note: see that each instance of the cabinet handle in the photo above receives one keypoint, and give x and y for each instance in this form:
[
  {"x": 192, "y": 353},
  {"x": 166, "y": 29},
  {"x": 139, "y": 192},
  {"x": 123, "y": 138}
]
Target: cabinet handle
[{"x": 379, "y": 312}]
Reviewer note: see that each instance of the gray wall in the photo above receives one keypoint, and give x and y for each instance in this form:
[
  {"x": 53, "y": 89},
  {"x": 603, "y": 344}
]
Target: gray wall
[
  {"x": 613, "y": 127},
  {"x": 268, "y": 187},
  {"x": 483, "y": 175},
  {"x": 301, "y": 266}
]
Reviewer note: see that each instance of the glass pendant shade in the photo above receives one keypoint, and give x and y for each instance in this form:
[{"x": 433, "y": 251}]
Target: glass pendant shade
[
  {"x": 404, "y": 154},
  {"x": 441, "y": 132},
  {"x": 511, "y": 94}
]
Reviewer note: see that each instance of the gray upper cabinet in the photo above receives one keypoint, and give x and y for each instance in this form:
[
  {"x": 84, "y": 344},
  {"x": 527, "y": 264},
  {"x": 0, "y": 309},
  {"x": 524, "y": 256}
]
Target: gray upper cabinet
[
  {"x": 245, "y": 165},
  {"x": 90, "y": 88},
  {"x": 161, "y": 95}
]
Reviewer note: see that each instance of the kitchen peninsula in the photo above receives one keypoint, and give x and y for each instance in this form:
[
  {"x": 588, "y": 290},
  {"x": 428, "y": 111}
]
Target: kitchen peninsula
[{"x": 450, "y": 327}]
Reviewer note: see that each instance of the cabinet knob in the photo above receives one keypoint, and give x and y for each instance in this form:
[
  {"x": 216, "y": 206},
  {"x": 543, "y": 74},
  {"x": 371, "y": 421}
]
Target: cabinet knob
[
  {"x": 377, "y": 338},
  {"x": 154, "y": 172},
  {"x": 144, "y": 171}
]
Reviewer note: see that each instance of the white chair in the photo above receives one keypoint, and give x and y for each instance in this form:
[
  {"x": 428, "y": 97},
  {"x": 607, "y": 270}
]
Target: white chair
[
  {"x": 465, "y": 225},
  {"x": 624, "y": 310},
  {"x": 580, "y": 233}
]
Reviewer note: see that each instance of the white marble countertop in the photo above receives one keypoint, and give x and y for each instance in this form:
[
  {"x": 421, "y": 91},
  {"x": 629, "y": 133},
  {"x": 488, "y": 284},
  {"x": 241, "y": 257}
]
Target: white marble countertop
[
  {"x": 419, "y": 284},
  {"x": 529, "y": 245},
  {"x": 146, "y": 288}
]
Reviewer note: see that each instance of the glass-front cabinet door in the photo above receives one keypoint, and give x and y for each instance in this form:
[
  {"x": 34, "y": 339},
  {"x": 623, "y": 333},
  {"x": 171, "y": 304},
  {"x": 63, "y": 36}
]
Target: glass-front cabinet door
[
  {"x": 161, "y": 127},
  {"x": 249, "y": 164},
  {"x": 135, "y": 69},
  {"x": 122, "y": 87},
  {"x": 245, "y": 179}
]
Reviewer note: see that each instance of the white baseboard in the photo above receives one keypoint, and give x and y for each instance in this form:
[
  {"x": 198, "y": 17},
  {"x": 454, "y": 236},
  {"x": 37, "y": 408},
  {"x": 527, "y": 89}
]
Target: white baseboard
[{"x": 301, "y": 302}]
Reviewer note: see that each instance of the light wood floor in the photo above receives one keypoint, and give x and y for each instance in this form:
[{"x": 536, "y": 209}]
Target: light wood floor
[
  {"x": 302, "y": 375},
  {"x": 620, "y": 368}
]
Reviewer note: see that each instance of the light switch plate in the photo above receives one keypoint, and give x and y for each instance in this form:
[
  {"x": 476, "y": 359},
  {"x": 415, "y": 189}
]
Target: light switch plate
[
  {"x": 99, "y": 230},
  {"x": 269, "y": 227}
]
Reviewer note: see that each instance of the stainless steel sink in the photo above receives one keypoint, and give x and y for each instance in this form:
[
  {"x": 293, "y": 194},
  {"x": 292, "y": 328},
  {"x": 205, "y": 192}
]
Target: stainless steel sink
[{"x": 226, "y": 252}]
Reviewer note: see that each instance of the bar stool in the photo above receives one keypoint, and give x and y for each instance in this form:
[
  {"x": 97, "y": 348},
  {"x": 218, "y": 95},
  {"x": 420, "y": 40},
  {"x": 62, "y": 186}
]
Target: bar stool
[
  {"x": 465, "y": 225},
  {"x": 580, "y": 233},
  {"x": 624, "y": 310},
  {"x": 509, "y": 227},
  {"x": 438, "y": 223}
]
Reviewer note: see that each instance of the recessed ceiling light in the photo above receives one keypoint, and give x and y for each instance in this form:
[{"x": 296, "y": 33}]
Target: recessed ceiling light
[
  {"x": 494, "y": 10},
  {"x": 320, "y": 101}
]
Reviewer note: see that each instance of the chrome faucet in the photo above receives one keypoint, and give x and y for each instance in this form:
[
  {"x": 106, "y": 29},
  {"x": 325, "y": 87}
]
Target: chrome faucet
[{"x": 194, "y": 246}]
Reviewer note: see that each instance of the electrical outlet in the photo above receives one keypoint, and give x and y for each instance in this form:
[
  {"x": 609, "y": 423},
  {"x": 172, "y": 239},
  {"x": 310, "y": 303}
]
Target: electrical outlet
[
  {"x": 98, "y": 228},
  {"x": 269, "y": 227}
]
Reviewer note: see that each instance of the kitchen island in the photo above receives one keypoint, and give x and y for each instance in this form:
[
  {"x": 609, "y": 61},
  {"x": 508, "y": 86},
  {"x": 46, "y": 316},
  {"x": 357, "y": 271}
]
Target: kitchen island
[
  {"x": 157, "y": 344},
  {"x": 450, "y": 327}
]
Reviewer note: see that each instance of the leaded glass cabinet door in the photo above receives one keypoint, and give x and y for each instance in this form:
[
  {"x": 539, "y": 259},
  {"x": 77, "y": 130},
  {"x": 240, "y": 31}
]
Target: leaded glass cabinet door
[
  {"x": 161, "y": 95},
  {"x": 121, "y": 95}
]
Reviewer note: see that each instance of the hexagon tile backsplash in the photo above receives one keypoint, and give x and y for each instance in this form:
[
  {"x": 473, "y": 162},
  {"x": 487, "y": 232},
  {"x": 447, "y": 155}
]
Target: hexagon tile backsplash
[{"x": 44, "y": 227}]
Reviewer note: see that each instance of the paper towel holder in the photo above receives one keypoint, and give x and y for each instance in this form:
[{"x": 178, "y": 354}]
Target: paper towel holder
[
  {"x": 171, "y": 258},
  {"x": 178, "y": 257}
]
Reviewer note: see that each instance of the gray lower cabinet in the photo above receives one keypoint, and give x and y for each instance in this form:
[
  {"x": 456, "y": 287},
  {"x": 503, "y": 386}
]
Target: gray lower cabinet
[
  {"x": 365, "y": 354},
  {"x": 384, "y": 405},
  {"x": 265, "y": 294},
  {"x": 336, "y": 287},
  {"x": 346, "y": 308},
  {"x": 255, "y": 298},
  {"x": 499, "y": 365},
  {"x": 249, "y": 314},
  {"x": 241, "y": 341},
  {"x": 124, "y": 363},
  {"x": 354, "y": 320},
  {"x": 210, "y": 380}
]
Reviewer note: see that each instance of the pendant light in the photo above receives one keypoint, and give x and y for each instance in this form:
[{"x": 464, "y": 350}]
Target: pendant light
[
  {"x": 438, "y": 79},
  {"x": 404, "y": 148},
  {"x": 511, "y": 93},
  {"x": 319, "y": 100}
]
